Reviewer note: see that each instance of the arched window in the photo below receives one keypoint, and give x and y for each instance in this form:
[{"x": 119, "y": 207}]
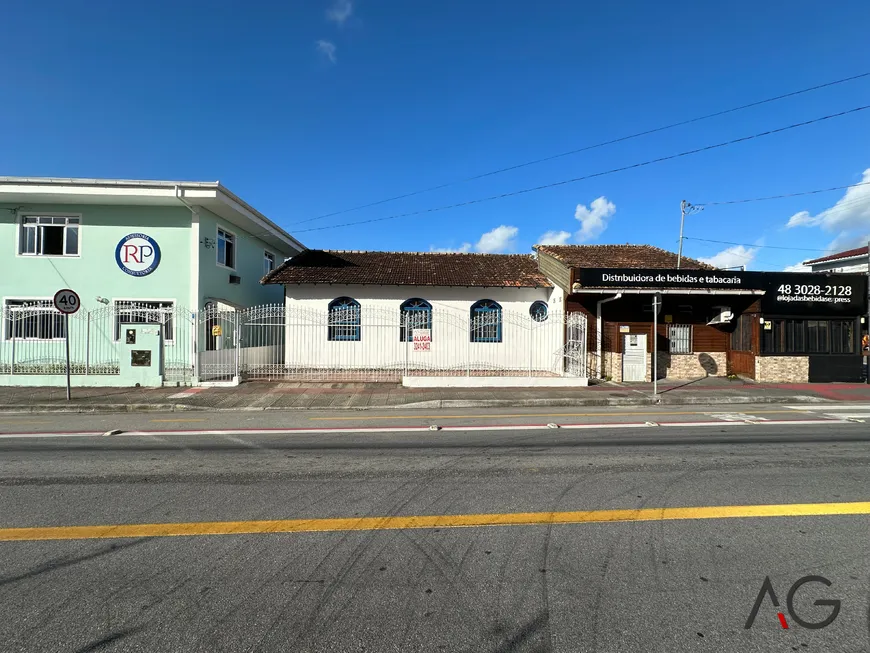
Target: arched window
[
  {"x": 539, "y": 311},
  {"x": 415, "y": 314},
  {"x": 485, "y": 321},
  {"x": 344, "y": 319}
]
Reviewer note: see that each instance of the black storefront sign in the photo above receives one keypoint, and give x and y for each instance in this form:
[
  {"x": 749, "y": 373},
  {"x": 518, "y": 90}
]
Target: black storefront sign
[{"x": 785, "y": 293}]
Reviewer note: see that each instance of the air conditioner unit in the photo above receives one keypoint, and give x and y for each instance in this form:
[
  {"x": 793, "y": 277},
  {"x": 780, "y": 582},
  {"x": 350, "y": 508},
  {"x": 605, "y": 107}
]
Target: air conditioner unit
[
  {"x": 723, "y": 316},
  {"x": 235, "y": 280}
]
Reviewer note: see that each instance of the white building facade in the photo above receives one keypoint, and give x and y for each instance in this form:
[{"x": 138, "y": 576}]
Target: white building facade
[
  {"x": 428, "y": 319},
  {"x": 853, "y": 260}
]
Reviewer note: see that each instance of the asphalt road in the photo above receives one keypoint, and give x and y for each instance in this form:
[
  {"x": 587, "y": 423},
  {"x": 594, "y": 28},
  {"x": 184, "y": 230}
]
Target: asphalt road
[
  {"x": 660, "y": 585},
  {"x": 477, "y": 417}
]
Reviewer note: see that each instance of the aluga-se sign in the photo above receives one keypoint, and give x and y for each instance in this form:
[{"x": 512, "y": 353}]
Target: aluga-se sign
[{"x": 137, "y": 254}]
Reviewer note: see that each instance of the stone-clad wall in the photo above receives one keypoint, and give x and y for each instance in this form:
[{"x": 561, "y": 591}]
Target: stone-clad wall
[
  {"x": 611, "y": 365},
  {"x": 671, "y": 366},
  {"x": 692, "y": 366},
  {"x": 782, "y": 369}
]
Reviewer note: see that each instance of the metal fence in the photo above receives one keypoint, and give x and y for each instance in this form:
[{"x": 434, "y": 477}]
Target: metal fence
[
  {"x": 274, "y": 342},
  {"x": 33, "y": 339},
  {"x": 378, "y": 344}
]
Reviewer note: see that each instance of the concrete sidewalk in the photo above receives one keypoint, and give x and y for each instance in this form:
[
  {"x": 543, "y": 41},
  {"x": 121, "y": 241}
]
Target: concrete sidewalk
[{"x": 361, "y": 396}]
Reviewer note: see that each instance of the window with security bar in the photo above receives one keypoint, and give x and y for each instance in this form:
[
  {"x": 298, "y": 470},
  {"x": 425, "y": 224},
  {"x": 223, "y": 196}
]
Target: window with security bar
[
  {"x": 344, "y": 320},
  {"x": 486, "y": 321},
  {"x": 415, "y": 314},
  {"x": 33, "y": 319},
  {"x": 680, "y": 337},
  {"x": 133, "y": 312}
]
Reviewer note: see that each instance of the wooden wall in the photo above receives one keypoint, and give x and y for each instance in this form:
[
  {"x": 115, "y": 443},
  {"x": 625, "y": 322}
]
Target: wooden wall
[{"x": 704, "y": 338}]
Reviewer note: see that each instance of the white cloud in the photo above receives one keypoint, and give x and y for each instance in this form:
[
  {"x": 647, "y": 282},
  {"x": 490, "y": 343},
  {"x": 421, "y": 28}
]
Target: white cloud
[
  {"x": 797, "y": 267},
  {"x": 327, "y": 49},
  {"x": 593, "y": 220},
  {"x": 554, "y": 238},
  {"x": 732, "y": 257},
  {"x": 464, "y": 248},
  {"x": 801, "y": 219},
  {"x": 500, "y": 239},
  {"x": 340, "y": 11},
  {"x": 846, "y": 240},
  {"x": 849, "y": 217}
]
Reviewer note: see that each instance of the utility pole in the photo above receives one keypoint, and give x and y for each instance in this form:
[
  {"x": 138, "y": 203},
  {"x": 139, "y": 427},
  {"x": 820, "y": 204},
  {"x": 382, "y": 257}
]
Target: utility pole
[
  {"x": 685, "y": 209},
  {"x": 867, "y": 353},
  {"x": 657, "y": 305}
]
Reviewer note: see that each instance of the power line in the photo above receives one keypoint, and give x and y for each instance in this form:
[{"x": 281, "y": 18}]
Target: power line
[
  {"x": 589, "y": 147},
  {"x": 749, "y": 257},
  {"x": 726, "y": 242},
  {"x": 593, "y": 175},
  {"x": 785, "y": 195}
]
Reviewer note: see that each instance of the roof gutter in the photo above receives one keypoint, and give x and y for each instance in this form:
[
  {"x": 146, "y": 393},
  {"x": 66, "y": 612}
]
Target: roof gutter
[
  {"x": 96, "y": 183},
  {"x": 275, "y": 229}
]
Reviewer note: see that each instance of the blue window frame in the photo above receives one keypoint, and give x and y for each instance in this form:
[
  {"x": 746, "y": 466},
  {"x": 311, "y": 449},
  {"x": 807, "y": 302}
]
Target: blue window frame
[
  {"x": 539, "y": 311},
  {"x": 415, "y": 313},
  {"x": 485, "y": 321},
  {"x": 344, "y": 319}
]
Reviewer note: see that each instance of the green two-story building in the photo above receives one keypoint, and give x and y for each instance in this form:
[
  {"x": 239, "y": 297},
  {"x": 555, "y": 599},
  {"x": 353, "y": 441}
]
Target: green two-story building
[{"x": 136, "y": 252}]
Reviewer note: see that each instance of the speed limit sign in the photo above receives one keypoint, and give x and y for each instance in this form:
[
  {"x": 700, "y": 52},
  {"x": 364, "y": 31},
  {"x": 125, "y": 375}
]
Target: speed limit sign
[{"x": 67, "y": 301}]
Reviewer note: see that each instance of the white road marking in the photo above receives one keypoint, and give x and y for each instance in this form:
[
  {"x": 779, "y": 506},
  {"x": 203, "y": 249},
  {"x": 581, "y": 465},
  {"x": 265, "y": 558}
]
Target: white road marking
[
  {"x": 830, "y": 407},
  {"x": 860, "y": 412},
  {"x": 737, "y": 417},
  {"x": 228, "y": 433}
]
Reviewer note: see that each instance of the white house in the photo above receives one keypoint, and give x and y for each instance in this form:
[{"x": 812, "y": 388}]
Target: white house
[
  {"x": 852, "y": 260},
  {"x": 427, "y": 318}
]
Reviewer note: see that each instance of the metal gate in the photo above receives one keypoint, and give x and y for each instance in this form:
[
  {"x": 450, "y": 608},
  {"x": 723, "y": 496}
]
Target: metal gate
[
  {"x": 219, "y": 334},
  {"x": 575, "y": 345}
]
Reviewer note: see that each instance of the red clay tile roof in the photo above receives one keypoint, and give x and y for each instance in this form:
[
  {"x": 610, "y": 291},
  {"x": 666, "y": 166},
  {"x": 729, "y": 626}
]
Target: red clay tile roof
[
  {"x": 410, "y": 269},
  {"x": 618, "y": 256},
  {"x": 849, "y": 253}
]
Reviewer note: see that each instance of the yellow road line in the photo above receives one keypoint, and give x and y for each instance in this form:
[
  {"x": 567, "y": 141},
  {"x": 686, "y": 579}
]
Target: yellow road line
[
  {"x": 178, "y": 420},
  {"x": 499, "y": 416},
  {"x": 427, "y": 521}
]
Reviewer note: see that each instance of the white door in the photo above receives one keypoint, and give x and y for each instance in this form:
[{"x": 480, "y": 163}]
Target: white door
[{"x": 634, "y": 357}]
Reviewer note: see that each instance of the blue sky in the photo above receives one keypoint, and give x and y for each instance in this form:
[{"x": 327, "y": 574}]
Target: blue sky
[{"x": 306, "y": 107}]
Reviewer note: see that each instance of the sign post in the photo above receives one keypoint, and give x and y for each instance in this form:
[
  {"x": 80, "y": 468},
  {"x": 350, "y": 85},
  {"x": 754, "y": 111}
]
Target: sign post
[
  {"x": 67, "y": 302},
  {"x": 657, "y": 305}
]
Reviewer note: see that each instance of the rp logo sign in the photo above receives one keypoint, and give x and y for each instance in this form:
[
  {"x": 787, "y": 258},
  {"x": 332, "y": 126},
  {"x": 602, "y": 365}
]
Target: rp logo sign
[
  {"x": 137, "y": 255},
  {"x": 767, "y": 589}
]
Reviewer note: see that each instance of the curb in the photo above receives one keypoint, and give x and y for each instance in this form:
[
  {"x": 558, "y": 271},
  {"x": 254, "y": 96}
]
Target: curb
[{"x": 663, "y": 400}]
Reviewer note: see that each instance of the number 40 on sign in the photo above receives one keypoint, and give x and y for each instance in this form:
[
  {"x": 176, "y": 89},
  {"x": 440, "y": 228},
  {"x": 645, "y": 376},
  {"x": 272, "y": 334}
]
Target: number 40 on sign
[{"x": 67, "y": 301}]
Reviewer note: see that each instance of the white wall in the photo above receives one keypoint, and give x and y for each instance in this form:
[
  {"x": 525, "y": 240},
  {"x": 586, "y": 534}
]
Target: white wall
[
  {"x": 851, "y": 265},
  {"x": 525, "y": 344}
]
